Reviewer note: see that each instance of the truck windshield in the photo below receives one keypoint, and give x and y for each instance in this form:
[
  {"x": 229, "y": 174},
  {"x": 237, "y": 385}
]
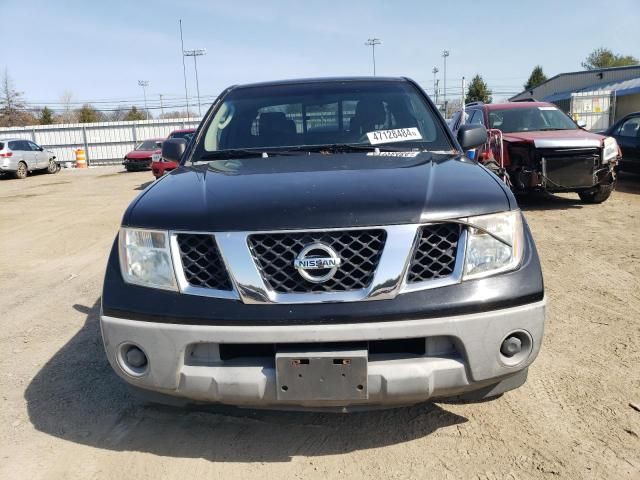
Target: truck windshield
[
  {"x": 309, "y": 116},
  {"x": 149, "y": 145},
  {"x": 511, "y": 120}
]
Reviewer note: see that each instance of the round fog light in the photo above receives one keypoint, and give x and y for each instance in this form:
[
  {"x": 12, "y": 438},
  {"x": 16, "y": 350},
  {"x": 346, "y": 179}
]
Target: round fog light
[
  {"x": 136, "y": 357},
  {"x": 511, "y": 346},
  {"x": 132, "y": 359},
  {"x": 515, "y": 348}
]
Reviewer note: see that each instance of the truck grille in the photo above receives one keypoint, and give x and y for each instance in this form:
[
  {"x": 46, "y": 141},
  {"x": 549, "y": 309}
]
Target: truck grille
[
  {"x": 435, "y": 254},
  {"x": 359, "y": 250},
  {"x": 201, "y": 262}
]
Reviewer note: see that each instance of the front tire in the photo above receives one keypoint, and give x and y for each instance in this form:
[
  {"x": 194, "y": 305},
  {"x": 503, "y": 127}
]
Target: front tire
[
  {"x": 598, "y": 194},
  {"x": 53, "y": 167},
  {"x": 22, "y": 171}
]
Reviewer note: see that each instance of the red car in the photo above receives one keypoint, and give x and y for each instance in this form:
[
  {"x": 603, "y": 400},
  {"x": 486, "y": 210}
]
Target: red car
[
  {"x": 536, "y": 146},
  {"x": 160, "y": 166},
  {"x": 140, "y": 158}
]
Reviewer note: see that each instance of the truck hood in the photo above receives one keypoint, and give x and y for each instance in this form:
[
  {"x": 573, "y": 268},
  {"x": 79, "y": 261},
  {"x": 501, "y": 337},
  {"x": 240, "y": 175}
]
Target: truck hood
[
  {"x": 318, "y": 191},
  {"x": 556, "y": 138}
]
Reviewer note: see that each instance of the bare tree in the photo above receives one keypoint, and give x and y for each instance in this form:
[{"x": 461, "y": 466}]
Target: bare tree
[
  {"x": 67, "y": 115},
  {"x": 12, "y": 108}
]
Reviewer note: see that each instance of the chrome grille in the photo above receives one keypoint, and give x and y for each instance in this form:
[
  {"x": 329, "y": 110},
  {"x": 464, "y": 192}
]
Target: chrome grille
[
  {"x": 435, "y": 253},
  {"x": 360, "y": 251},
  {"x": 201, "y": 261}
]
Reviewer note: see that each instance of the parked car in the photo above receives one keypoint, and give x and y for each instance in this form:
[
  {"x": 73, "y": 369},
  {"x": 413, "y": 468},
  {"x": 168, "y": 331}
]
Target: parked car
[
  {"x": 19, "y": 157},
  {"x": 348, "y": 257},
  {"x": 536, "y": 146},
  {"x": 627, "y": 133},
  {"x": 160, "y": 165},
  {"x": 140, "y": 157}
]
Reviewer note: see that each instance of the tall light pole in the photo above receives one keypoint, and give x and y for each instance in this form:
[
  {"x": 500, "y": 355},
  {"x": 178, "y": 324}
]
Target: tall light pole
[
  {"x": 445, "y": 54},
  {"x": 144, "y": 84},
  {"x": 161, "y": 107},
  {"x": 184, "y": 71},
  {"x": 372, "y": 42},
  {"x": 435, "y": 84},
  {"x": 195, "y": 54}
]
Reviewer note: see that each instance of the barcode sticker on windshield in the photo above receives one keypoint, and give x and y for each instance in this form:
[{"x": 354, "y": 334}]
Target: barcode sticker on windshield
[{"x": 396, "y": 135}]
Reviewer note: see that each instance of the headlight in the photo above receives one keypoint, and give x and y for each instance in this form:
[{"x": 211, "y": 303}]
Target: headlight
[
  {"x": 145, "y": 258},
  {"x": 494, "y": 244},
  {"x": 610, "y": 149}
]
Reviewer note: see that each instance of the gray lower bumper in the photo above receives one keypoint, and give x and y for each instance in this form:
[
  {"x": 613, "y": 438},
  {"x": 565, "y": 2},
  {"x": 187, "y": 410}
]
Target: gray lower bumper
[{"x": 476, "y": 364}]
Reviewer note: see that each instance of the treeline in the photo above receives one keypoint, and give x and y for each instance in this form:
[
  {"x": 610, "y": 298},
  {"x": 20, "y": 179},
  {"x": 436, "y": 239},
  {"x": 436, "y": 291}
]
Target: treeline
[{"x": 14, "y": 111}]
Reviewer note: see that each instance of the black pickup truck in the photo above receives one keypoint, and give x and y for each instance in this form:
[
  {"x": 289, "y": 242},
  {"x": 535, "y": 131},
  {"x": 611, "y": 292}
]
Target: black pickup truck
[{"x": 324, "y": 244}]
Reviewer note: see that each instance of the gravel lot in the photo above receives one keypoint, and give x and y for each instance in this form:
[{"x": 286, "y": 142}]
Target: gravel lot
[{"x": 65, "y": 414}]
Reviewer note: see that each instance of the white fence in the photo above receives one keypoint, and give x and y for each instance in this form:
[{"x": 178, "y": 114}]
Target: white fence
[{"x": 104, "y": 143}]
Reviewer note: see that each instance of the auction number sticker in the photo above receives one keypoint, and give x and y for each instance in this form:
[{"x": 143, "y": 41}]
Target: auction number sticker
[{"x": 395, "y": 135}]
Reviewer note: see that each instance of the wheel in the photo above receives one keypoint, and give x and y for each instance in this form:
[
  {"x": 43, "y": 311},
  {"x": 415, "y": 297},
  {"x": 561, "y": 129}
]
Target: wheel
[
  {"x": 53, "y": 167},
  {"x": 128, "y": 168},
  {"x": 598, "y": 194},
  {"x": 22, "y": 171}
]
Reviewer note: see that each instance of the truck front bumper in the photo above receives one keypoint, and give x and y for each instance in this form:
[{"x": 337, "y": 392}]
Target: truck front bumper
[{"x": 462, "y": 356}]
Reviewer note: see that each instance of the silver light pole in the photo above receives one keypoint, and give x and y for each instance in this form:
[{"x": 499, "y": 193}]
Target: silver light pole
[
  {"x": 372, "y": 42},
  {"x": 435, "y": 84},
  {"x": 195, "y": 54},
  {"x": 445, "y": 54},
  {"x": 184, "y": 71},
  {"x": 144, "y": 84}
]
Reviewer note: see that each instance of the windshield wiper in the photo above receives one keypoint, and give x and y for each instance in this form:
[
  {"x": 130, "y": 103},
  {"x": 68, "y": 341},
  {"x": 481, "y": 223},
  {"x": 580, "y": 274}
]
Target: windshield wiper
[
  {"x": 348, "y": 147},
  {"x": 241, "y": 153}
]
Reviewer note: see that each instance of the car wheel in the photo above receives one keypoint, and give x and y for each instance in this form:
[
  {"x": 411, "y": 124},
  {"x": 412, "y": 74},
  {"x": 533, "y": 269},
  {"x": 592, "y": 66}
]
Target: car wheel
[
  {"x": 598, "y": 194},
  {"x": 22, "y": 171},
  {"x": 53, "y": 167}
]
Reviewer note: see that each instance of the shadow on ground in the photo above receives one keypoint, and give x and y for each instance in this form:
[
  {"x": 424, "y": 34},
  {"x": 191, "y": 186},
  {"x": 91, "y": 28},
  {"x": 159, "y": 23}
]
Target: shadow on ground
[
  {"x": 77, "y": 397},
  {"x": 536, "y": 201}
]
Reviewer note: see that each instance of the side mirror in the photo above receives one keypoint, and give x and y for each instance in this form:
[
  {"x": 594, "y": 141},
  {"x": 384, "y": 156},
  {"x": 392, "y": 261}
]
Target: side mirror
[
  {"x": 173, "y": 149},
  {"x": 582, "y": 123},
  {"x": 471, "y": 136},
  {"x": 41, "y": 149}
]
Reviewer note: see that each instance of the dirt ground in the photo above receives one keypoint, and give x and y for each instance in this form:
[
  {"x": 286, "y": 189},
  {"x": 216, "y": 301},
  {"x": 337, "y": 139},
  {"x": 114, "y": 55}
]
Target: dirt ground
[{"x": 65, "y": 414}]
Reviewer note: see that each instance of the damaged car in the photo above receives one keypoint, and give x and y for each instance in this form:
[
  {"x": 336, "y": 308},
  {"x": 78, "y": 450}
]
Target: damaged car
[{"x": 534, "y": 146}]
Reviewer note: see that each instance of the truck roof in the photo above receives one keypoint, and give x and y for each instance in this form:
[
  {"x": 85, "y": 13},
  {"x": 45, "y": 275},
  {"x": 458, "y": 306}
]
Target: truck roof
[
  {"x": 515, "y": 105},
  {"x": 298, "y": 81}
]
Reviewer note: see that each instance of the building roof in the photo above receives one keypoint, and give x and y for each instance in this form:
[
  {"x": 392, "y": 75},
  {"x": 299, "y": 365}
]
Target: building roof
[
  {"x": 624, "y": 87},
  {"x": 562, "y": 85}
]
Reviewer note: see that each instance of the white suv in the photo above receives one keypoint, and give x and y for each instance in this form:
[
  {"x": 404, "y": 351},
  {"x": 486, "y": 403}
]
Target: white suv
[{"x": 19, "y": 157}]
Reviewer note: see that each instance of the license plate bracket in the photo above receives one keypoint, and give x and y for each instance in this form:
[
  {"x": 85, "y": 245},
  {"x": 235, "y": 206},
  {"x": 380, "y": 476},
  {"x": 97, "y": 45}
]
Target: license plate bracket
[{"x": 321, "y": 375}]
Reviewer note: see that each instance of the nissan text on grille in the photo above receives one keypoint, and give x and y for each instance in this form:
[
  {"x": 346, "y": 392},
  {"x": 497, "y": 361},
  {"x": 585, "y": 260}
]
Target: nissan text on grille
[{"x": 323, "y": 243}]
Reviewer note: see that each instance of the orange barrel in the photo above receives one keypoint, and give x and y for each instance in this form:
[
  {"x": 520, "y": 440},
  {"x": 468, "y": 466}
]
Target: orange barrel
[{"x": 81, "y": 158}]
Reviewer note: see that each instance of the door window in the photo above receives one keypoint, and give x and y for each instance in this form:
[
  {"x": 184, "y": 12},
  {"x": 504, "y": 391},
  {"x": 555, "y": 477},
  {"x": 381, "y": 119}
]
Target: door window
[
  {"x": 33, "y": 146},
  {"x": 630, "y": 128}
]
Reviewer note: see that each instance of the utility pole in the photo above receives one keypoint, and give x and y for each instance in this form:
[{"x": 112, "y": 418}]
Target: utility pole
[
  {"x": 195, "y": 54},
  {"x": 372, "y": 42},
  {"x": 184, "y": 71},
  {"x": 161, "y": 106},
  {"x": 445, "y": 54},
  {"x": 464, "y": 108},
  {"x": 144, "y": 84},
  {"x": 437, "y": 91},
  {"x": 435, "y": 84}
]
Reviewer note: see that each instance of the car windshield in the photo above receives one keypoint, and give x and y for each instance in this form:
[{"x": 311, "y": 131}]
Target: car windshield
[
  {"x": 150, "y": 145},
  {"x": 511, "y": 120},
  {"x": 323, "y": 116}
]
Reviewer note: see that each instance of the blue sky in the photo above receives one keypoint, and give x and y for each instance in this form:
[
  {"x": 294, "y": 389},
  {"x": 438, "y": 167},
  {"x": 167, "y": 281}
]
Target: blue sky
[{"x": 99, "y": 50}]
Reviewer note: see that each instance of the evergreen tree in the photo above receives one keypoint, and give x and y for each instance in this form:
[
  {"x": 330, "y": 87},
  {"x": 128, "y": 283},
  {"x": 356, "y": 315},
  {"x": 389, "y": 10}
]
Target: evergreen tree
[
  {"x": 536, "y": 78},
  {"x": 478, "y": 91},
  {"x": 134, "y": 114},
  {"x": 46, "y": 116}
]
